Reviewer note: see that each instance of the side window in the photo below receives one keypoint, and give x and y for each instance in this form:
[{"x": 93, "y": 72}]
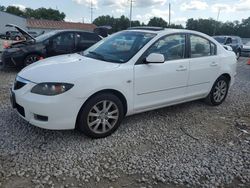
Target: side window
[
  {"x": 172, "y": 47},
  {"x": 64, "y": 39},
  {"x": 234, "y": 41},
  {"x": 200, "y": 47},
  {"x": 92, "y": 36},
  {"x": 87, "y": 37}
]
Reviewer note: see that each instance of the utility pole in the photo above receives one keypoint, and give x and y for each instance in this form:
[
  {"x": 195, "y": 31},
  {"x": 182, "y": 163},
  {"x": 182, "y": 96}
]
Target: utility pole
[
  {"x": 91, "y": 11},
  {"x": 169, "y": 14},
  {"x": 130, "y": 15},
  {"x": 215, "y": 28}
]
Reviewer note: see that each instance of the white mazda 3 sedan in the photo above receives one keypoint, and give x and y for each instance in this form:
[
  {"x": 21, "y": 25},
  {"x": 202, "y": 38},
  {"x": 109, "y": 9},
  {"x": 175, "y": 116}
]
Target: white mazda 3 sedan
[{"x": 129, "y": 72}]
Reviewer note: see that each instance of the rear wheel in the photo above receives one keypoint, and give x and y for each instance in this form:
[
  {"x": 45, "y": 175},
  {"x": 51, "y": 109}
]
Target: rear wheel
[
  {"x": 101, "y": 115},
  {"x": 218, "y": 92},
  {"x": 31, "y": 59}
]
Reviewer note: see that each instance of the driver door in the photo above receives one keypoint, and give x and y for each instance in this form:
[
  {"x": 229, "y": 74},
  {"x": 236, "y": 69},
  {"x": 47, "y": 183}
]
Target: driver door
[{"x": 160, "y": 84}]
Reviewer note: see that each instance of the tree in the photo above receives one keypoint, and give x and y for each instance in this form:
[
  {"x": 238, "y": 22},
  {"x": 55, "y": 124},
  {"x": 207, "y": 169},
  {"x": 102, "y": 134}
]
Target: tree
[
  {"x": 2, "y": 8},
  {"x": 105, "y": 20},
  {"x": 157, "y": 22},
  {"x": 48, "y": 14},
  {"x": 117, "y": 24},
  {"x": 40, "y": 13},
  {"x": 14, "y": 10},
  {"x": 122, "y": 23},
  {"x": 213, "y": 27},
  {"x": 175, "y": 26},
  {"x": 135, "y": 23},
  {"x": 208, "y": 26}
]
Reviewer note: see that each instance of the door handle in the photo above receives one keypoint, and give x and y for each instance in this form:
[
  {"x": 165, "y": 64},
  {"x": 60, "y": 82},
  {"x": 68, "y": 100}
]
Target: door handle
[
  {"x": 214, "y": 64},
  {"x": 181, "y": 68}
]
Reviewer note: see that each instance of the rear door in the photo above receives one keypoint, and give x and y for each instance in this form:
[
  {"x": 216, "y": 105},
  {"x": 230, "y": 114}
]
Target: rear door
[
  {"x": 204, "y": 66},
  {"x": 85, "y": 40}
]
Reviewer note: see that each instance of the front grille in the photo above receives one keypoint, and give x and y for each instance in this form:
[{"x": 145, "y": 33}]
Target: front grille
[
  {"x": 18, "y": 85},
  {"x": 20, "y": 110}
]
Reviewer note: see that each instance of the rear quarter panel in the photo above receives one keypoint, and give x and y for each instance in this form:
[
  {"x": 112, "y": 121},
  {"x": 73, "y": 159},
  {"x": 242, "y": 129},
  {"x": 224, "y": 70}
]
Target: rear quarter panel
[{"x": 228, "y": 63}]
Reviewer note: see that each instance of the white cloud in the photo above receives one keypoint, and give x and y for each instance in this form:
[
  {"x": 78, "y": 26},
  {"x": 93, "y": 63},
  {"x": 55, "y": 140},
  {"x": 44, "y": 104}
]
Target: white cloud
[
  {"x": 223, "y": 7},
  {"x": 120, "y": 11},
  {"x": 122, "y": 3},
  {"x": 242, "y": 5},
  {"x": 180, "y": 20},
  {"x": 194, "y": 5},
  {"x": 87, "y": 2},
  {"x": 21, "y": 7},
  {"x": 115, "y": 3},
  {"x": 149, "y": 3},
  {"x": 154, "y": 13}
]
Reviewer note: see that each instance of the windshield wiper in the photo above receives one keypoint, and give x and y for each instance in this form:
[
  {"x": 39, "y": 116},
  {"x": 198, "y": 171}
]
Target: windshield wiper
[{"x": 97, "y": 54}]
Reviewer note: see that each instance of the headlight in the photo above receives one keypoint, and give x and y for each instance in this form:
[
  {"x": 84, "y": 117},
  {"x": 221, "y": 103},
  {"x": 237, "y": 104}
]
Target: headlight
[{"x": 51, "y": 89}]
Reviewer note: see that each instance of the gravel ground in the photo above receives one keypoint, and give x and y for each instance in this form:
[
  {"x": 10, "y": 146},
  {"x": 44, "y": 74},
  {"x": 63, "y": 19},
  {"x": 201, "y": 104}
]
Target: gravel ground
[{"x": 188, "y": 145}]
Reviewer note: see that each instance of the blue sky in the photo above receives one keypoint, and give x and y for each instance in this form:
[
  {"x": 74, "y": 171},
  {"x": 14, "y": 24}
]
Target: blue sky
[{"x": 143, "y": 10}]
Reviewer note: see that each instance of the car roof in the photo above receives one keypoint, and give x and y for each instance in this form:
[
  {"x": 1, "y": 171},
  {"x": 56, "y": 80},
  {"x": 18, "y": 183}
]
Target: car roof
[
  {"x": 227, "y": 36},
  {"x": 166, "y": 31},
  {"x": 72, "y": 30}
]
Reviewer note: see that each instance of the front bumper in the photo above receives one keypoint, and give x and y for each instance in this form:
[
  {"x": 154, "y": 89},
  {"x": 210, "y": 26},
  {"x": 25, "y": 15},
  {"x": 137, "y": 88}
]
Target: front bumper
[{"x": 60, "y": 111}]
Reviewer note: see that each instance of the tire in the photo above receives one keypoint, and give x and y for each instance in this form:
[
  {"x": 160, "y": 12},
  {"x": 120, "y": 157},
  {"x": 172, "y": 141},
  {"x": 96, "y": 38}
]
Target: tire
[
  {"x": 94, "y": 121},
  {"x": 30, "y": 59},
  {"x": 218, "y": 92}
]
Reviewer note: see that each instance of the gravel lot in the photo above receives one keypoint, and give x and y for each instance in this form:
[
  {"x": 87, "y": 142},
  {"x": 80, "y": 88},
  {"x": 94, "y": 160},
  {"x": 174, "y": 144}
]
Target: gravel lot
[{"x": 188, "y": 145}]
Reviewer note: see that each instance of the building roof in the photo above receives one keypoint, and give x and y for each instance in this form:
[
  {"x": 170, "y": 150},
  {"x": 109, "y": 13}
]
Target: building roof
[{"x": 49, "y": 24}]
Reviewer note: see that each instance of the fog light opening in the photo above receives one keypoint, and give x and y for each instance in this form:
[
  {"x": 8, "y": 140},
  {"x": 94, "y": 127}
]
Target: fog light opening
[{"x": 40, "y": 117}]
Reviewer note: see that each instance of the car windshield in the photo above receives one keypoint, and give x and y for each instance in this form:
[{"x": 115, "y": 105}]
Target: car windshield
[
  {"x": 119, "y": 48},
  {"x": 45, "y": 36},
  {"x": 221, "y": 40}
]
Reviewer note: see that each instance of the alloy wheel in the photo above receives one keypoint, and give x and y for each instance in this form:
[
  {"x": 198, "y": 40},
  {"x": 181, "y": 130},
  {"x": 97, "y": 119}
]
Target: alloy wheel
[
  {"x": 103, "y": 116},
  {"x": 31, "y": 59},
  {"x": 220, "y": 91}
]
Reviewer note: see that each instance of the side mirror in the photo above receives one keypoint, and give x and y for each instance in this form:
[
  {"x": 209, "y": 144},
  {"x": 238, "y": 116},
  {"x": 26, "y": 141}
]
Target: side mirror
[{"x": 155, "y": 58}]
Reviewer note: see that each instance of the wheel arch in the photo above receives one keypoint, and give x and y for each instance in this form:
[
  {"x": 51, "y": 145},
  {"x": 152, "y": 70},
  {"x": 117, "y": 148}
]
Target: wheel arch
[
  {"x": 32, "y": 53},
  {"x": 226, "y": 75},
  {"x": 117, "y": 93}
]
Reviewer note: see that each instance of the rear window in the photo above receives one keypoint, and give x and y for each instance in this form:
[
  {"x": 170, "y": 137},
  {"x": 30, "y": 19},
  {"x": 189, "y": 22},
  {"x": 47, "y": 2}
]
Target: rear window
[{"x": 201, "y": 47}]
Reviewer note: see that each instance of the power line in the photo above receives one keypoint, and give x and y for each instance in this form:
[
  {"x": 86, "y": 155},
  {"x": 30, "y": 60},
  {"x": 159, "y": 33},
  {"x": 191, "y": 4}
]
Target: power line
[
  {"x": 130, "y": 14},
  {"x": 91, "y": 11},
  {"x": 215, "y": 28},
  {"x": 169, "y": 14}
]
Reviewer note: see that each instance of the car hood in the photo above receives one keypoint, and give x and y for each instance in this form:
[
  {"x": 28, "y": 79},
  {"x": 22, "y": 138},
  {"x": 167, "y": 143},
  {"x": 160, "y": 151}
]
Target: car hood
[
  {"x": 64, "y": 68},
  {"x": 22, "y": 31}
]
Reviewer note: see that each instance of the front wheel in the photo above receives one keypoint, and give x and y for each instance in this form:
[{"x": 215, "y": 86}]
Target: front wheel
[
  {"x": 218, "y": 92},
  {"x": 31, "y": 59},
  {"x": 100, "y": 116}
]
